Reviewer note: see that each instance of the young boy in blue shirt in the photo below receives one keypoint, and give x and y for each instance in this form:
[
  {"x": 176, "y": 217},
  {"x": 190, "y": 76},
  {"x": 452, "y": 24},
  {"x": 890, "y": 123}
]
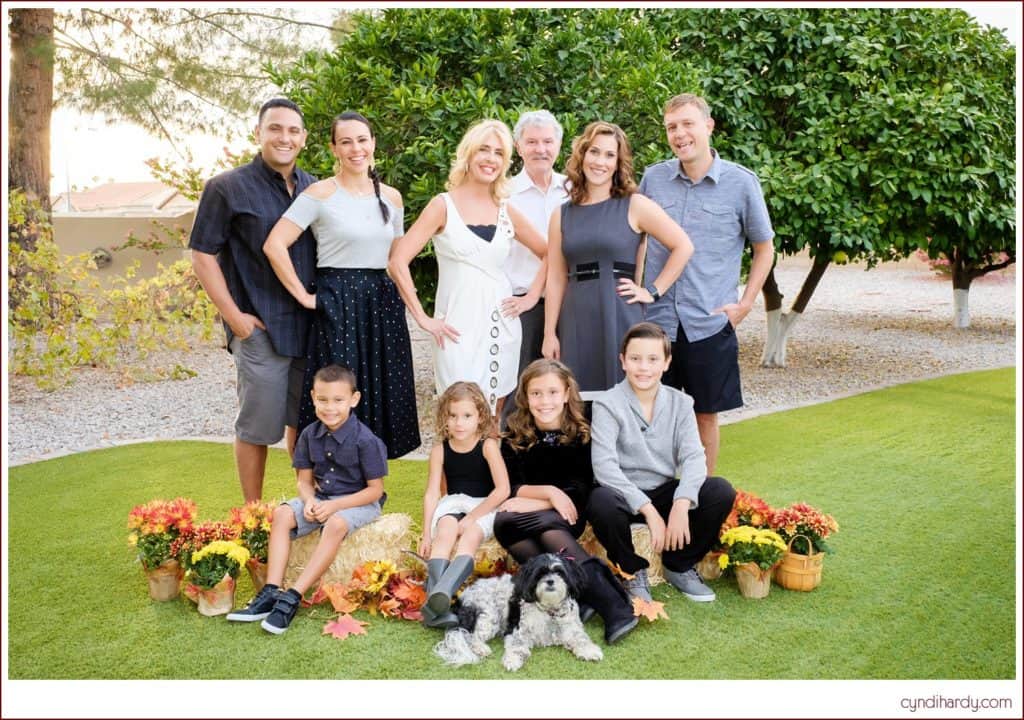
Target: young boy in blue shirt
[{"x": 340, "y": 465}]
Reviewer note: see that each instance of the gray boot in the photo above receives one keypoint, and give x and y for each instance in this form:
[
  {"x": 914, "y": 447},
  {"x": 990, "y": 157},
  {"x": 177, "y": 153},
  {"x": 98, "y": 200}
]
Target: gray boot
[
  {"x": 439, "y": 598},
  {"x": 431, "y": 619}
]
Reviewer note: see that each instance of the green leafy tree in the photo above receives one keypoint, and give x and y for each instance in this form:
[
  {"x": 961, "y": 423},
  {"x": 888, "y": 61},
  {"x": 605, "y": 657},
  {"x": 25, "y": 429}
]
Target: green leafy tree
[
  {"x": 424, "y": 76},
  {"x": 861, "y": 123}
]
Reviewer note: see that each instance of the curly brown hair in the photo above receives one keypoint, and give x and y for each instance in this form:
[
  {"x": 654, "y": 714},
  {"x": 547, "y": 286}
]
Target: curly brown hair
[
  {"x": 623, "y": 184},
  {"x": 522, "y": 430},
  {"x": 463, "y": 391}
]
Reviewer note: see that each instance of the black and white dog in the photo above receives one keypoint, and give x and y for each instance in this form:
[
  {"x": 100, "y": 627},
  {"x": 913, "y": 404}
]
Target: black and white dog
[{"x": 535, "y": 608}]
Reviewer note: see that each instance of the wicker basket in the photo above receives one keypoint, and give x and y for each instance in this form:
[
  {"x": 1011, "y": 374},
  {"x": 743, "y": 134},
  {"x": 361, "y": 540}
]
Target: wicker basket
[{"x": 799, "y": 572}]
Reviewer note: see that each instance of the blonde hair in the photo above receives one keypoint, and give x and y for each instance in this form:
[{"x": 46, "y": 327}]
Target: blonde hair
[
  {"x": 463, "y": 391},
  {"x": 522, "y": 430},
  {"x": 623, "y": 184},
  {"x": 470, "y": 143},
  {"x": 683, "y": 99}
]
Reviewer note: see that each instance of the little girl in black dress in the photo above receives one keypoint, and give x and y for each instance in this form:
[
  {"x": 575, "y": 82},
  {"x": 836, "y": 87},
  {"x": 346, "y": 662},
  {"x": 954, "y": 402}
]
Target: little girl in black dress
[
  {"x": 466, "y": 482},
  {"x": 547, "y": 453}
]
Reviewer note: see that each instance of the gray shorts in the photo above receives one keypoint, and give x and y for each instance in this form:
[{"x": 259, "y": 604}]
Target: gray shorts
[
  {"x": 355, "y": 517},
  {"x": 269, "y": 387}
]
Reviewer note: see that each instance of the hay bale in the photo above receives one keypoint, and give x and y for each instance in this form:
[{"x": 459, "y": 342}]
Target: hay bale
[
  {"x": 641, "y": 543},
  {"x": 383, "y": 539},
  {"x": 492, "y": 559}
]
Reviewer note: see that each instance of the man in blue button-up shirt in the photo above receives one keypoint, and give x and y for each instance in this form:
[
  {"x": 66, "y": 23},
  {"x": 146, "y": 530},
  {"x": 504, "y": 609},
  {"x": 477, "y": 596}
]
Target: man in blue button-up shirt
[
  {"x": 266, "y": 328},
  {"x": 721, "y": 207}
]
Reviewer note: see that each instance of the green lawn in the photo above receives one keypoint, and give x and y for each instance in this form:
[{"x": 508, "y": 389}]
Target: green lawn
[{"x": 920, "y": 478}]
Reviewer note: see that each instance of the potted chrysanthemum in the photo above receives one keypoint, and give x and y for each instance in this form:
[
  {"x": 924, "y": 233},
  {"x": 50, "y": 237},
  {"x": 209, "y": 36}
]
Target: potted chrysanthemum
[
  {"x": 251, "y": 524},
  {"x": 154, "y": 528},
  {"x": 747, "y": 509},
  {"x": 804, "y": 529},
  {"x": 753, "y": 553},
  {"x": 213, "y": 570}
]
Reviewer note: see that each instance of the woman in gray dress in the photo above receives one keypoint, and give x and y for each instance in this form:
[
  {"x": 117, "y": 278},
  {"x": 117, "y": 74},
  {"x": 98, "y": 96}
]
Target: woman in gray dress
[
  {"x": 595, "y": 258},
  {"x": 360, "y": 318}
]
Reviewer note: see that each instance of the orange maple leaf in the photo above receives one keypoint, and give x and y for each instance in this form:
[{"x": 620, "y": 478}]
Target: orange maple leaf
[
  {"x": 337, "y": 594},
  {"x": 390, "y": 606},
  {"x": 344, "y": 626},
  {"x": 651, "y": 610},
  {"x": 318, "y": 597},
  {"x": 412, "y": 613},
  {"x": 409, "y": 592}
]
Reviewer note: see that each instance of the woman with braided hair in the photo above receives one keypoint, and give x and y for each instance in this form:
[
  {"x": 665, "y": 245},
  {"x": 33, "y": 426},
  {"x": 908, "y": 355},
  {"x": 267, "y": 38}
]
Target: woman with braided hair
[{"x": 360, "y": 318}]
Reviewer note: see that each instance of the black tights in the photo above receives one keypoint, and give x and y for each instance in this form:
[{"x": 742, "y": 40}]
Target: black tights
[{"x": 526, "y": 535}]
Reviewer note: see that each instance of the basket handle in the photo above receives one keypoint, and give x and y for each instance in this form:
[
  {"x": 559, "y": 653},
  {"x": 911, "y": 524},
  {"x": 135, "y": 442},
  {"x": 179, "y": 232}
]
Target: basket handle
[{"x": 810, "y": 544}]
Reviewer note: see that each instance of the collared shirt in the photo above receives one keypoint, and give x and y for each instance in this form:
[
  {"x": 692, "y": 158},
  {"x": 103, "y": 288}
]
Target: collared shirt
[
  {"x": 720, "y": 213},
  {"x": 342, "y": 461},
  {"x": 537, "y": 205},
  {"x": 236, "y": 212}
]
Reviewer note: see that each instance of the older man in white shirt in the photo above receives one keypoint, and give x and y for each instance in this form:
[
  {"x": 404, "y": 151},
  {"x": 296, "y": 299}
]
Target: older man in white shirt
[{"x": 536, "y": 192}]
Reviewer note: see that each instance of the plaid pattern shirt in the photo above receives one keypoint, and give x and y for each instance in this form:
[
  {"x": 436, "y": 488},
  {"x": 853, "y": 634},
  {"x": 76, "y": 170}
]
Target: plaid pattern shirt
[{"x": 236, "y": 212}]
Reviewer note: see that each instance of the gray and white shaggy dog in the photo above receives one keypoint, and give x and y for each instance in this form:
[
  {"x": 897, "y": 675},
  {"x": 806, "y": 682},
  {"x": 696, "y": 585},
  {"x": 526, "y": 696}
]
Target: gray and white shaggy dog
[{"x": 534, "y": 608}]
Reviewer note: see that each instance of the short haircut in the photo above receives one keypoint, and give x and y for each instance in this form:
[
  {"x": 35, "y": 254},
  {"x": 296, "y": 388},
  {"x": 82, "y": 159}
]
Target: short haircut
[
  {"x": 279, "y": 103},
  {"x": 688, "y": 99},
  {"x": 336, "y": 373},
  {"x": 537, "y": 118},
  {"x": 647, "y": 331}
]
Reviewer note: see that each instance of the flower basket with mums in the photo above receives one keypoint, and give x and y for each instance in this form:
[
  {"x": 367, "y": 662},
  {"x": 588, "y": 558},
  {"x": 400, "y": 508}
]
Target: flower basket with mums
[
  {"x": 252, "y": 525},
  {"x": 154, "y": 526},
  {"x": 800, "y": 519},
  {"x": 213, "y": 571},
  {"x": 804, "y": 529},
  {"x": 753, "y": 553},
  {"x": 747, "y": 509}
]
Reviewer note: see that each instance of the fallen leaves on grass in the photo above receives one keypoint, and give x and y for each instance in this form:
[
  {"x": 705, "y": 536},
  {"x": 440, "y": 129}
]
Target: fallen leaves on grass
[
  {"x": 652, "y": 610},
  {"x": 344, "y": 626}
]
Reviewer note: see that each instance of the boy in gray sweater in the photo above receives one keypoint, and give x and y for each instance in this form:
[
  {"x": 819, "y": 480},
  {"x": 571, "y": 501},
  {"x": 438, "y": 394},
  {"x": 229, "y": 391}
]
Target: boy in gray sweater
[{"x": 650, "y": 467}]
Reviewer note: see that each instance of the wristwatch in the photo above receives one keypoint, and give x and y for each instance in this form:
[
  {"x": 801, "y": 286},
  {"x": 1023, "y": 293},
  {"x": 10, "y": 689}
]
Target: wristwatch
[{"x": 653, "y": 290}]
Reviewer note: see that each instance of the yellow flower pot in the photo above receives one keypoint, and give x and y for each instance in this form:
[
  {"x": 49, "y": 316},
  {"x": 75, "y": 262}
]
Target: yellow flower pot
[
  {"x": 219, "y": 599},
  {"x": 753, "y": 581}
]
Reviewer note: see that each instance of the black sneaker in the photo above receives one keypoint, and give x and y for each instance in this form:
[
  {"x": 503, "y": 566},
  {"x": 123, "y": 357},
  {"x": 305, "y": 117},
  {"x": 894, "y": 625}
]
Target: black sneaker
[
  {"x": 284, "y": 610},
  {"x": 259, "y": 607}
]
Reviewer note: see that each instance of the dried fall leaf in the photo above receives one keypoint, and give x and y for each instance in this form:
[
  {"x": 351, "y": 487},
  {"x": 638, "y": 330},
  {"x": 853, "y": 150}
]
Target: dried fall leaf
[
  {"x": 619, "y": 571},
  {"x": 409, "y": 592},
  {"x": 337, "y": 594},
  {"x": 389, "y": 606},
  {"x": 651, "y": 610},
  {"x": 344, "y": 626},
  {"x": 318, "y": 597}
]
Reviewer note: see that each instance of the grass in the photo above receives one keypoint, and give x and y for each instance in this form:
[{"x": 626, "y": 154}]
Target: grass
[{"x": 922, "y": 583}]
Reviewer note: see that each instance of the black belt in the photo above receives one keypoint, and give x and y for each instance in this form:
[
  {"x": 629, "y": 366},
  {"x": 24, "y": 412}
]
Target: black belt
[{"x": 592, "y": 271}]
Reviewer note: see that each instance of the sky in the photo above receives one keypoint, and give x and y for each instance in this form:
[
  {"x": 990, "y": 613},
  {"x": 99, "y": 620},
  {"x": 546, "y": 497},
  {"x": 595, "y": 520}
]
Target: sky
[{"x": 87, "y": 151}]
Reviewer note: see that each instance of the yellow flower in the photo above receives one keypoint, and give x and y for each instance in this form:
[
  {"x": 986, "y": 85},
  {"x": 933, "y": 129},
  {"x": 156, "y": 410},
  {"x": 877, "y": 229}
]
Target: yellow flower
[{"x": 723, "y": 561}]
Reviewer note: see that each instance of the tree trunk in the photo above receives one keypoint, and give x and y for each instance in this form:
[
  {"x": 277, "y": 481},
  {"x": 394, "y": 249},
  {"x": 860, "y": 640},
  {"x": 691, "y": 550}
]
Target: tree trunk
[
  {"x": 780, "y": 324},
  {"x": 962, "y": 277},
  {"x": 30, "y": 104}
]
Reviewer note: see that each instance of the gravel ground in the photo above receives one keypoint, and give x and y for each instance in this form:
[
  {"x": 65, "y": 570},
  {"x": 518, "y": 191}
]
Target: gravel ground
[{"x": 862, "y": 330}]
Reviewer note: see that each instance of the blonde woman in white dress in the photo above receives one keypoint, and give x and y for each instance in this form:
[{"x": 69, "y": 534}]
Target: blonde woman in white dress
[{"x": 476, "y": 317}]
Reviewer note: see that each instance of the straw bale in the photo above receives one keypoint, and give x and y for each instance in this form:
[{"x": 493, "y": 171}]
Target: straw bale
[
  {"x": 641, "y": 543},
  {"x": 383, "y": 539}
]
